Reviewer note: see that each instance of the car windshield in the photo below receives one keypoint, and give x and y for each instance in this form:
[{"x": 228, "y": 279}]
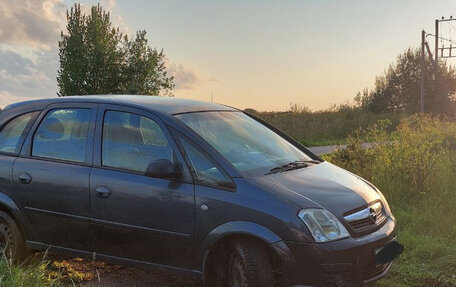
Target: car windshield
[{"x": 252, "y": 148}]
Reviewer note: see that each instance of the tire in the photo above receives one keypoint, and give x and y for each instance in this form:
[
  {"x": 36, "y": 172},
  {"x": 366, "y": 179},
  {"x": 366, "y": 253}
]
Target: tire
[
  {"x": 249, "y": 265},
  {"x": 12, "y": 243}
]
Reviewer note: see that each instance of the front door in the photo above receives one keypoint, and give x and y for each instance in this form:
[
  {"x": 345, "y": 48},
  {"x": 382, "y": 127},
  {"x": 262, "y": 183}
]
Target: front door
[
  {"x": 51, "y": 176},
  {"x": 134, "y": 216}
]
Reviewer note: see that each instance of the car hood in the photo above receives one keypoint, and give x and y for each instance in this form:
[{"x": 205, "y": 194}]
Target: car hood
[{"x": 322, "y": 185}]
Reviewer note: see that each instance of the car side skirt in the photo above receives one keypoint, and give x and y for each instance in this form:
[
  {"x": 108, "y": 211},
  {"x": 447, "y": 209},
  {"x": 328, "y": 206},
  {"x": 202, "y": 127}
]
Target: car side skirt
[{"x": 187, "y": 273}]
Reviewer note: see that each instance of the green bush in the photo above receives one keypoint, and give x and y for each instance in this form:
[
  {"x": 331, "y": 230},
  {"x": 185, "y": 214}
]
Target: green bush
[
  {"x": 415, "y": 168},
  {"x": 418, "y": 156}
]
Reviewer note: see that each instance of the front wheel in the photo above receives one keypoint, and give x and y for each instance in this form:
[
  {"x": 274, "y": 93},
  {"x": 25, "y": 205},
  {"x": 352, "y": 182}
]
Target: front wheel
[
  {"x": 249, "y": 265},
  {"x": 12, "y": 243}
]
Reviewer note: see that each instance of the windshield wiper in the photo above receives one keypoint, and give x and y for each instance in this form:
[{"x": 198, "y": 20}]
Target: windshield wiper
[{"x": 292, "y": 165}]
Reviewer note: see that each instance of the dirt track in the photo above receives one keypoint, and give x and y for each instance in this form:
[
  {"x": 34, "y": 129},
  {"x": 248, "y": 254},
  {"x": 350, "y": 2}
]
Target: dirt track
[
  {"x": 130, "y": 277},
  {"x": 88, "y": 273}
]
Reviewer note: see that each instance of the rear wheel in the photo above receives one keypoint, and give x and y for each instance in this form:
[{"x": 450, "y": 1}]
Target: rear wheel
[
  {"x": 249, "y": 265},
  {"x": 12, "y": 243}
]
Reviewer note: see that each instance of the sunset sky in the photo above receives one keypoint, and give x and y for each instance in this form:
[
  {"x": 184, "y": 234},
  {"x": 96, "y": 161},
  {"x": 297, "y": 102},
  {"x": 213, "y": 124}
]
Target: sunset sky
[{"x": 261, "y": 54}]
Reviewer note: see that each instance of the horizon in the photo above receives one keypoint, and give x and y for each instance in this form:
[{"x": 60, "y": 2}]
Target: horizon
[{"x": 263, "y": 55}]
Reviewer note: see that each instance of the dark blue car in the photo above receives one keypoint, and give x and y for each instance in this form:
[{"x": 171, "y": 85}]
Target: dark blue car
[{"x": 202, "y": 189}]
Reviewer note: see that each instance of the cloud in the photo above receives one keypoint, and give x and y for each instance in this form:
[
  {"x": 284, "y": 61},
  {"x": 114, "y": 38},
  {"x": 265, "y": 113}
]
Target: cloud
[
  {"x": 109, "y": 4},
  {"x": 14, "y": 64},
  {"x": 22, "y": 79},
  {"x": 116, "y": 19},
  {"x": 29, "y": 32},
  {"x": 185, "y": 78},
  {"x": 35, "y": 23},
  {"x": 6, "y": 97}
]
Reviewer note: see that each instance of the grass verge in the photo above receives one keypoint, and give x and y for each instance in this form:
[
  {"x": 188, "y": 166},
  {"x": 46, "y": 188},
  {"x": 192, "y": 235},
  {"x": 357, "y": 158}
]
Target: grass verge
[
  {"x": 415, "y": 167},
  {"x": 29, "y": 273}
]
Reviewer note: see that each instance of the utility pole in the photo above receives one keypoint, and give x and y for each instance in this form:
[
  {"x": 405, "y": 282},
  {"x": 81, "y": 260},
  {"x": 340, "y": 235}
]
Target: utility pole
[
  {"x": 445, "y": 52},
  {"x": 442, "y": 50},
  {"x": 436, "y": 55},
  {"x": 423, "y": 69},
  {"x": 434, "y": 59}
]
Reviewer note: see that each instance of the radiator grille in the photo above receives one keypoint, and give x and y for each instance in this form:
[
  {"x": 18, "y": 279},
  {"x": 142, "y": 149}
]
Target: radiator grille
[{"x": 367, "y": 219}]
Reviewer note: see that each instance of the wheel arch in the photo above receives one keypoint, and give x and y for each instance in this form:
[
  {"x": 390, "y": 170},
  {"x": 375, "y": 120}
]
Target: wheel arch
[
  {"x": 8, "y": 206},
  {"x": 232, "y": 230}
]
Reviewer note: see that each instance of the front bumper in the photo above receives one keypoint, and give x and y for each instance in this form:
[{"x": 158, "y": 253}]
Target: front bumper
[{"x": 347, "y": 262}]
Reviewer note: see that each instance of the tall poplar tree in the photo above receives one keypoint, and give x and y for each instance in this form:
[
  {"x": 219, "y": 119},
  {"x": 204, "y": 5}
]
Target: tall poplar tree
[
  {"x": 73, "y": 64},
  {"x": 95, "y": 58},
  {"x": 144, "y": 69}
]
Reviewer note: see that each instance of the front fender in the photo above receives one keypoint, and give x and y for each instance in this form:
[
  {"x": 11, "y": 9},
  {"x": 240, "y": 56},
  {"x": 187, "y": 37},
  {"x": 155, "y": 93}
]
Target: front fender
[{"x": 234, "y": 228}]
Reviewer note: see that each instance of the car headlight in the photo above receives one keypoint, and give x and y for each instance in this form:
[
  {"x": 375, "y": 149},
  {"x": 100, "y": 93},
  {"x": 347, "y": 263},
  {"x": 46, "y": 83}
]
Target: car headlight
[{"x": 323, "y": 225}]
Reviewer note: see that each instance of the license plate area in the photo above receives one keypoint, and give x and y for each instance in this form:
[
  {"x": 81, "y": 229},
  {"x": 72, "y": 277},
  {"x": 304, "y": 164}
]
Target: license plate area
[{"x": 388, "y": 253}]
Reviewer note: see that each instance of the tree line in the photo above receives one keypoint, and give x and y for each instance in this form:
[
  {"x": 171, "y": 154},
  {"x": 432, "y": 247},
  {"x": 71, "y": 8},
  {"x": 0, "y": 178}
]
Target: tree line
[{"x": 398, "y": 89}]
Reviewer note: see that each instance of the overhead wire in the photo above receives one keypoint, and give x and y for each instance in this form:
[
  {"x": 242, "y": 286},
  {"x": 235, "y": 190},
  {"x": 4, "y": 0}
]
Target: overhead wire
[
  {"x": 444, "y": 40},
  {"x": 441, "y": 38}
]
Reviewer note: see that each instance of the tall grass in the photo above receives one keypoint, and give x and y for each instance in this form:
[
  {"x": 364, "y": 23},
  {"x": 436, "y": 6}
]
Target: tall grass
[
  {"x": 29, "y": 273},
  {"x": 415, "y": 167},
  {"x": 325, "y": 127}
]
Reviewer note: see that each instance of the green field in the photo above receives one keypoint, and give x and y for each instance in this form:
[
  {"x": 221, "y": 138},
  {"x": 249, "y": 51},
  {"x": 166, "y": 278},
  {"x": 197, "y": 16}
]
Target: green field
[{"x": 325, "y": 127}]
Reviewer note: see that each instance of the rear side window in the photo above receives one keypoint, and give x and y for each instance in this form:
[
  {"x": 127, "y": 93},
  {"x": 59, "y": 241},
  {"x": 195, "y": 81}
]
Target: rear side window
[
  {"x": 62, "y": 135},
  {"x": 13, "y": 132},
  {"x": 132, "y": 142}
]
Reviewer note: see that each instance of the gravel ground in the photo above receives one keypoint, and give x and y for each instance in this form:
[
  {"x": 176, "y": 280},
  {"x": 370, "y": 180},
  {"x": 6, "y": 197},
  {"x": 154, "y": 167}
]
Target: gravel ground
[
  {"x": 97, "y": 273},
  {"x": 130, "y": 277}
]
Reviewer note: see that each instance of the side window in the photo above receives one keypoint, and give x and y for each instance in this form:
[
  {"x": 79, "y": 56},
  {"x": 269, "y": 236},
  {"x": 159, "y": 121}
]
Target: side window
[
  {"x": 11, "y": 134},
  {"x": 132, "y": 142},
  {"x": 202, "y": 168},
  {"x": 63, "y": 135}
]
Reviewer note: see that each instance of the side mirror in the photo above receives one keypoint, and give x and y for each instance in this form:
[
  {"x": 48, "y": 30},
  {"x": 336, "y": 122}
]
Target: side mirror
[{"x": 163, "y": 168}]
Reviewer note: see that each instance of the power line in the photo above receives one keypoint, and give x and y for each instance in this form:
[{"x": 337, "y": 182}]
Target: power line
[
  {"x": 442, "y": 38},
  {"x": 425, "y": 46},
  {"x": 449, "y": 29},
  {"x": 449, "y": 23}
]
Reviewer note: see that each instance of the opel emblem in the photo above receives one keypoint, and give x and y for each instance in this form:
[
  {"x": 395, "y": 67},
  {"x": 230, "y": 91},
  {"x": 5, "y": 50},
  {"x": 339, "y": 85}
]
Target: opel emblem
[{"x": 372, "y": 215}]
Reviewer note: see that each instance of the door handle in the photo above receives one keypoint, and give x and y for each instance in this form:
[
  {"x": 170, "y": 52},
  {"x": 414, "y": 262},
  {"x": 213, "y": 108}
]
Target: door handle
[
  {"x": 24, "y": 178},
  {"x": 103, "y": 192}
]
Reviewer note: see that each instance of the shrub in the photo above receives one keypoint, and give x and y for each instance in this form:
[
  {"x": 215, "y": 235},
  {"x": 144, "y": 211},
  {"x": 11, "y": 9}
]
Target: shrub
[{"x": 418, "y": 156}]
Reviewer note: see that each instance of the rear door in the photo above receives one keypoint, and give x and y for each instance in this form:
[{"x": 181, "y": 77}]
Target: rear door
[
  {"x": 12, "y": 135},
  {"x": 51, "y": 176},
  {"x": 134, "y": 216}
]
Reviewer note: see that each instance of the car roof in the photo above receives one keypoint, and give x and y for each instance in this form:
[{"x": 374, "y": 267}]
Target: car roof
[{"x": 167, "y": 105}]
